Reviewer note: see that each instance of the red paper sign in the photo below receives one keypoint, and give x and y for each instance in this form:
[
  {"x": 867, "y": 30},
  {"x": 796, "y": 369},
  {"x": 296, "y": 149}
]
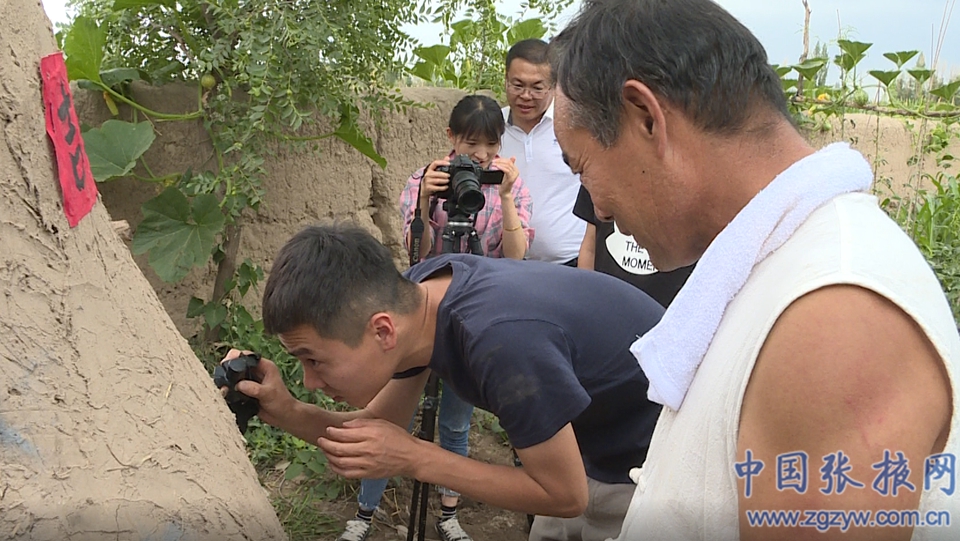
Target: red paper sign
[{"x": 73, "y": 167}]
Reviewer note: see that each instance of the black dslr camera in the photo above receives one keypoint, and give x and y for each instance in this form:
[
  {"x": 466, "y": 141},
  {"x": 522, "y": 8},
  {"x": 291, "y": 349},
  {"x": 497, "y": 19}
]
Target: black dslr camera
[
  {"x": 466, "y": 177},
  {"x": 228, "y": 374}
]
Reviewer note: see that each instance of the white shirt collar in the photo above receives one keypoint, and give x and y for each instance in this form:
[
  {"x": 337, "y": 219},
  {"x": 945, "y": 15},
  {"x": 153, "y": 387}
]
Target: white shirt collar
[{"x": 549, "y": 112}]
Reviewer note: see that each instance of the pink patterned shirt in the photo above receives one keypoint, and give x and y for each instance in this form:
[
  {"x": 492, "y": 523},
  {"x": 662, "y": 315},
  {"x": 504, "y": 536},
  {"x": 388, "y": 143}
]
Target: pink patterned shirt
[{"x": 488, "y": 222}]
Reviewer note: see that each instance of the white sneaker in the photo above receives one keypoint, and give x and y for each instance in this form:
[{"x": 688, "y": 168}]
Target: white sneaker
[
  {"x": 357, "y": 530},
  {"x": 450, "y": 530}
]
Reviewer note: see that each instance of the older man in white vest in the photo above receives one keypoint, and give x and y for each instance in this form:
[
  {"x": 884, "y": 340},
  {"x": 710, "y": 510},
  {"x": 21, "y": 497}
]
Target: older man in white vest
[{"x": 808, "y": 367}]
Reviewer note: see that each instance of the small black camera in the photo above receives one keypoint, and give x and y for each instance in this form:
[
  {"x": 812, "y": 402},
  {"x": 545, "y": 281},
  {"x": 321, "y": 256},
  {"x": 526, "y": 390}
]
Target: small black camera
[
  {"x": 228, "y": 374},
  {"x": 466, "y": 177}
]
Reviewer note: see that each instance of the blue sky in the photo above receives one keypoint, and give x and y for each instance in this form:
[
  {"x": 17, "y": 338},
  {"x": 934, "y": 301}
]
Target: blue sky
[{"x": 891, "y": 25}]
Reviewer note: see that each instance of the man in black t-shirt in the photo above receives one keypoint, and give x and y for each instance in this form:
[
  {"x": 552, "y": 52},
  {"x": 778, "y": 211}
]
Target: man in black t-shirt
[
  {"x": 607, "y": 250},
  {"x": 544, "y": 347}
]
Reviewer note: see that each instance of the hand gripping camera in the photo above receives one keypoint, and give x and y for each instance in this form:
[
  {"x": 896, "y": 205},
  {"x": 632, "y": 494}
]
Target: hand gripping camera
[
  {"x": 466, "y": 177},
  {"x": 228, "y": 374}
]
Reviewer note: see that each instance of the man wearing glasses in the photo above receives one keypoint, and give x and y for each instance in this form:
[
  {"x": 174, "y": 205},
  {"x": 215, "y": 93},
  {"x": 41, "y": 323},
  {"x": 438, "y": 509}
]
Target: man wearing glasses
[{"x": 529, "y": 138}]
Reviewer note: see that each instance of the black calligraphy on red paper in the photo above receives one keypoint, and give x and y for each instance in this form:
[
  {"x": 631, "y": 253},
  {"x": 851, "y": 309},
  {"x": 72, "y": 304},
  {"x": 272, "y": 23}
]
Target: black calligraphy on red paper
[{"x": 73, "y": 167}]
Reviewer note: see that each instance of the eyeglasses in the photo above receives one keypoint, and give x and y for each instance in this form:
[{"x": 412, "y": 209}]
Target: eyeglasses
[{"x": 536, "y": 92}]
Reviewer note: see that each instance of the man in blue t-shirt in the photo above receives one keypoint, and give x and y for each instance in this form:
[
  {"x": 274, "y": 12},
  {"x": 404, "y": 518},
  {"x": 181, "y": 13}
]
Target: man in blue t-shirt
[{"x": 544, "y": 347}]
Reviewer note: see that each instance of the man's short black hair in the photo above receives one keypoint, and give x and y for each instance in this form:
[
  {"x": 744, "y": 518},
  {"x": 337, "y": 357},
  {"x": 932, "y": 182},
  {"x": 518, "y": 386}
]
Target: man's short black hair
[
  {"x": 532, "y": 50},
  {"x": 333, "y": 278},
  {"x": 692, "y": 53}
]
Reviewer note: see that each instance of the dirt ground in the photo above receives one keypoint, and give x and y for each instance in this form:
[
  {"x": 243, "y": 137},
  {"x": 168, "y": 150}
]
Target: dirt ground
[{"x": 482, "y": 522}]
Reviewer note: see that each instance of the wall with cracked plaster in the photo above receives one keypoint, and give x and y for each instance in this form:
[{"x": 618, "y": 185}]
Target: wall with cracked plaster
[{"x": 110, "y": 428}]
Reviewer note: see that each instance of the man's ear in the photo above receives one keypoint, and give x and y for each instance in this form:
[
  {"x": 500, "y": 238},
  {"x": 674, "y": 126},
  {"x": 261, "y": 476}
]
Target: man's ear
[
  {"x": 384, "y": 330},
  {"x": 643, "y": 111}
]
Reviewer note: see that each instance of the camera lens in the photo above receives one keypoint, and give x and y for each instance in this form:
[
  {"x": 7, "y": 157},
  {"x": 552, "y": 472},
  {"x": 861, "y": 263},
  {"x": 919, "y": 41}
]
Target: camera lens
[
  {"x": 472, "y": 201},
  {"x": 467, "y": 193}
]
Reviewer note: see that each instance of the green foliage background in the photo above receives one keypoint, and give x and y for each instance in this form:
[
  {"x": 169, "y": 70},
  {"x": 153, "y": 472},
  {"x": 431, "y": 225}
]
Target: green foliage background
[{"x": 930, "y": 109}]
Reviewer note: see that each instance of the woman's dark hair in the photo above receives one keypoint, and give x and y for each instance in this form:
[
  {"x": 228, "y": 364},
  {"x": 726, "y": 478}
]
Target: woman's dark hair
[
  {"x": 333, "y": 278},
  {"x": 477, "y": 117}
]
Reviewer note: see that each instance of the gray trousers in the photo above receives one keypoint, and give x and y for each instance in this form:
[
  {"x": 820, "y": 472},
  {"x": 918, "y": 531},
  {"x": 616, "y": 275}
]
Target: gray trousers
[{"x": 606, "y": 507}]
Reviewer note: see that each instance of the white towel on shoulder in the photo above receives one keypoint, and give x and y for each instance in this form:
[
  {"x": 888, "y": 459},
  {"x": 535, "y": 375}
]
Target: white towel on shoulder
[{"x": 671, "y": 352}]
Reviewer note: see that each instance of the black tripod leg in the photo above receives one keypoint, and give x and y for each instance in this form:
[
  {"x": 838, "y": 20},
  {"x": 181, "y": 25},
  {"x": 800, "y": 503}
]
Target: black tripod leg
[
  {"x": 448, "y": 244},
  {"x": 418, "y": 520},
  {"x": 424, "y": 500},
  {"x": 451, "y": 238},
  {"x": 474, "y": 242},
  {"x": 421, "y": 491},
  {"x": 414, "y": 501}
]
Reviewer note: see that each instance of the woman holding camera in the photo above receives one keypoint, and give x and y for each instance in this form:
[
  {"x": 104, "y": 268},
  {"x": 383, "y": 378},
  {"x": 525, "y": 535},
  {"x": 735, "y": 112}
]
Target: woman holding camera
[
  {"x": 503, "y": 227},
  {"x": 503, "y": 224}
]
